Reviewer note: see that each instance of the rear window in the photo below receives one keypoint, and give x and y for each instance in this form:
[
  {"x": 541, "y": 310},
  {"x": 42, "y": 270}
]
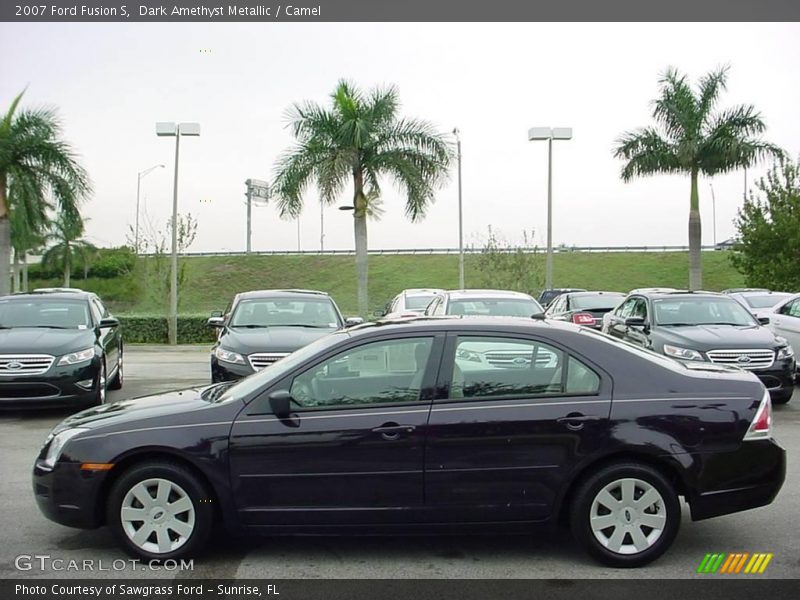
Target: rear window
[
  {"x": 765, "y": 300},
  {"x": 599, "y": 302},
  {"x": 418, "y": 302},
  {"x": 495, "y": 307}
]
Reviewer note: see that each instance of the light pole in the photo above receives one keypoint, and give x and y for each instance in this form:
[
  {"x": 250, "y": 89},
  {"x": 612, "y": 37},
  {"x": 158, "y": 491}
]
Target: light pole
[
  {"x": 139, "y": 177},
  {"x": 176, "y": 130},
  {"x": 256, "y": 190},
  {"x": 461, "y": 285},
  {"x": 549, "y": 134}
]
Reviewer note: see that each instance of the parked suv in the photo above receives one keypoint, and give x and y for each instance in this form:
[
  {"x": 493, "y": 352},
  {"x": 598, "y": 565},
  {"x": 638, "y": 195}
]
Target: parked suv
[
  {"x": 262, "y": 327},
  {"x": 58, "y": 348},
  {"x": 704, "y": 326}
]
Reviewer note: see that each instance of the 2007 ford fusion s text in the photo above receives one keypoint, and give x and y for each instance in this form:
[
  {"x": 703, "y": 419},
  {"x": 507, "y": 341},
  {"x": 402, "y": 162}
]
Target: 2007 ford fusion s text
[{"x": 426, "y": 425}]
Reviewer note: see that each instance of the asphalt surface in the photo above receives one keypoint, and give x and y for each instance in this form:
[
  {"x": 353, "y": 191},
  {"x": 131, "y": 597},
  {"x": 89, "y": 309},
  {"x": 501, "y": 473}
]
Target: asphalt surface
[{"x": 25, "y": 532}]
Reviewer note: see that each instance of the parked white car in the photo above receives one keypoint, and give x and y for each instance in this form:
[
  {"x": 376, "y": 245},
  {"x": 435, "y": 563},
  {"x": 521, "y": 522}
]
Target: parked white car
[
  {"x": 410, "y": 303},
  {"x": 760, "y": 302},
  {"x": 784, "y": 320}
]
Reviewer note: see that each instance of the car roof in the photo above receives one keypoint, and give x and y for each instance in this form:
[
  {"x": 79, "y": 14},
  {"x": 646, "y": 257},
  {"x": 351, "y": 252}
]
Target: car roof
[
  {"x": 421, "y": 291},
  {"x": 596, "y": 293},
  {"x": 461, "y": 322},
  {"x": 478, "y": 293},
  {"x": 682, "y": 294},
  {"x": 741, "y": 290},
  {"x": 80, "y": 295},
  {"x": 287, "y": 293},
  {"x": 750, "y": 293}
]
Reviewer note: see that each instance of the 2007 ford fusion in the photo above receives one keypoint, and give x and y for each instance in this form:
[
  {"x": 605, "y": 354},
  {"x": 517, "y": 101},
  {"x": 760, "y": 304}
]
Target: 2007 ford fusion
[{"x": 426, "y": 425}]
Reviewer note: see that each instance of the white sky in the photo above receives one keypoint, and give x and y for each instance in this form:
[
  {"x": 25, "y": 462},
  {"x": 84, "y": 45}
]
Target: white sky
[{"x": 112, "y": 82}]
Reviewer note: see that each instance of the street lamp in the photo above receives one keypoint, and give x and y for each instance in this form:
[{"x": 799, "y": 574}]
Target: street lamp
[
  {"x": 139, "y": 177},
  {"x": 549, "y": 134},
  {"x": 461, "y": 285},
  {"x": 175, "y": 130}
]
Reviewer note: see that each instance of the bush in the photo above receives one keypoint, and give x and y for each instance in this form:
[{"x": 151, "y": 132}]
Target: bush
[
  {"x": 153, "y": 329},
  {"x": 112, "y": 262}
]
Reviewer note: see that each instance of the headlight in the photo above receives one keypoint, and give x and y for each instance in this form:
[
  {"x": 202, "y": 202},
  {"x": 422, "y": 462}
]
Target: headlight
[
  {"x": 228, "y": 356},
  {"x": 468, "y": 355},
  {"x": 785, "y": 352},
  {"x": 77, "y": 357},
  {"x": 682, "y": 353},
  {"x": 57, "y": 445}
]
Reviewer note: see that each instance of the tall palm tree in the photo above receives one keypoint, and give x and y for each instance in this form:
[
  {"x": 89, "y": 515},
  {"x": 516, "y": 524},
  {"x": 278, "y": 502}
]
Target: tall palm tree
[
  {"x": 42, "y": 168},
  {"x": 360, "y": 138},
  {"x": 68, "y": 247},
  {"x": 693, "y": 136}
]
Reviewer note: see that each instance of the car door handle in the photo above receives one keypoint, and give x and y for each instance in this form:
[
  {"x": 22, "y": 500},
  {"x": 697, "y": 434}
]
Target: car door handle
[
  {"x": 576, "y": 422},
  {"x": 392, "y": 431}
]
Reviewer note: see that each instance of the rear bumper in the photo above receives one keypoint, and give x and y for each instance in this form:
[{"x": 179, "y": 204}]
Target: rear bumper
[{"x": 735, "y": 481}]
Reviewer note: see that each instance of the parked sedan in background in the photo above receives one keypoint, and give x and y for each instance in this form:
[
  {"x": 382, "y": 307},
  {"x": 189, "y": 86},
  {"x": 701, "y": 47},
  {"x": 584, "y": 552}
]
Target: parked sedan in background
[
  {"x": 382, "y": 429},
  {"x": 784, "y": 320},
  {"x": 58, "y": 348},
  {"x": 759, "y": 302},
  {"x": 410, "y": 302},
  {"x": 547, "y": 296},
  {"x": 704, "y": 326},
  {"x": 492, "y": 303},
  {"x": 262, "y": 327},
  {"x": 584, "y": 308}
]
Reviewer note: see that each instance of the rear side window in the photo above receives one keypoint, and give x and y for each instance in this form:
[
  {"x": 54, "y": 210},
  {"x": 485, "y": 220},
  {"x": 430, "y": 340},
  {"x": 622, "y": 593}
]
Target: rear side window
[{"x": 489, "y": 367}]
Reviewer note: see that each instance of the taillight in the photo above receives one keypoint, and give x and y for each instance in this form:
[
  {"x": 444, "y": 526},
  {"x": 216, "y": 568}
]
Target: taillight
[
  {"x": 583, "y": 319},
  {"x": 761, "y": 427}
]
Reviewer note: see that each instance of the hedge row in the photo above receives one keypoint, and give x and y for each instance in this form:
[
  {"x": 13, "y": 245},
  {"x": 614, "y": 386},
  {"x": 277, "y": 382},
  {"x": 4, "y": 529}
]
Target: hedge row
[
  {"x": 105, "y": 263},
  {"x": 152, "y": 329}
]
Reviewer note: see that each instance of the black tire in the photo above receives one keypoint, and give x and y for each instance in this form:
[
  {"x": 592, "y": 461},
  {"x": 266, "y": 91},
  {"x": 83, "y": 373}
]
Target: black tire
[
  {"x": 116, "y": 383},
  {"x": 100, "y": 386},
  {"x": 582, "y": 505},
  {"x": 187, "y": 482},
  {"x": 783, "y": 398}
]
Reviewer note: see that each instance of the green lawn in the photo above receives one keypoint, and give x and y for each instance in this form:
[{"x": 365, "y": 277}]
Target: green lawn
[{"x": 212, "y": 281}]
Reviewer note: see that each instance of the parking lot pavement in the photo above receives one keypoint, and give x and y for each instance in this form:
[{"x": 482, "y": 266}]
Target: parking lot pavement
[{"x": 24, "y": 531}]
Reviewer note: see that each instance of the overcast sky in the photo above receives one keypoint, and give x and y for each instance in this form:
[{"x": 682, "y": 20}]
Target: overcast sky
[{"x": 112, "y": 82}]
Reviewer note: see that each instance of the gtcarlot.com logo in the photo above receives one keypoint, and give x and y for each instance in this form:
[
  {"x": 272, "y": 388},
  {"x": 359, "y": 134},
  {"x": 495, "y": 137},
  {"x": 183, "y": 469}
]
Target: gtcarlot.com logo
[{"x": 735, "y": 563}]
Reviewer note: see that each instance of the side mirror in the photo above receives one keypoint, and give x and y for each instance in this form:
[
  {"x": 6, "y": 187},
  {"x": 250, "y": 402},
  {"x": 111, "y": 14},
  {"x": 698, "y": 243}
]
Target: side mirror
[
  {"x": 216, "y": 313},
  {"x": 109, "y": 322},
  {"x": 280, "y": 402},
  {"x": 635, "y": 322},
  {"x": 353, "y": 321},
  {"x": 216, "y": 322},
  {"x": 763, "y": 320}
]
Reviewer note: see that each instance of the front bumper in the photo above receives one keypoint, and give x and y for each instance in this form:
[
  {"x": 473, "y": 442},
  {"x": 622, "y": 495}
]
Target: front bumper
[
  {"x": 735, "y": 481},
  {"x": 58, "y": 387},
  {"x": 68, "y": 495},
  {"x": 778, "y": 379}
]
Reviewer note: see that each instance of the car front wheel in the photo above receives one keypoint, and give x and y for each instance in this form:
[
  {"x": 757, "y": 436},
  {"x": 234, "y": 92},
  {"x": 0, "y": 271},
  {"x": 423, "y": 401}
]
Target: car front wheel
[
  {"x": 625, "y": 515},
  {"x": 160, "y": 511}
]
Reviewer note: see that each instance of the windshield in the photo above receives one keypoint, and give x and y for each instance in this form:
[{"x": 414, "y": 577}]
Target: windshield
[
  {"x": 53, "y": 313},
  {"x": 268, "y": 312},
  {"x": 495, "y": 307},
  {"x": 765, "y": 300},
  {"x": 598, "y": 302},
  {"x": 697, "y": 310},
  {"x": 276, "y": 370},
  {"x": 418, "y": 302}
]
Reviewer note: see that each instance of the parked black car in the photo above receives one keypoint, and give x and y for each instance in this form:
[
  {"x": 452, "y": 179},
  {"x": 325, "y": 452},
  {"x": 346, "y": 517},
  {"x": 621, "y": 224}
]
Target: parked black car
[
  {"x": 262, "y": 327},
  {"x": 426, "y": 425},
  {"x": 57, "y": 348},
  {"x": 584, "y": 308},
  {"x": 547, "y": 296},
  {"x": 704, "y": 326}
]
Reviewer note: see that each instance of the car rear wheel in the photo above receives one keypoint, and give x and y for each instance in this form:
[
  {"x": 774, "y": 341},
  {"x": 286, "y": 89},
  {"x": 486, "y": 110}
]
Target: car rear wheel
[
  {"x": 160, "y": 511},
  {"x": 782, "y": 398},
  {"x": 625, "y": 515},
  {"x": 116, "y": 383}
]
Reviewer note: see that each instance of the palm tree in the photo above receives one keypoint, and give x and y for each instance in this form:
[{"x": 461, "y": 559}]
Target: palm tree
[
  {"x": 693, "y": 136},
  {"x": 42, "y": 169},
  {"x": 68, "y": 245},
  {"x": 360, "y": 138}
]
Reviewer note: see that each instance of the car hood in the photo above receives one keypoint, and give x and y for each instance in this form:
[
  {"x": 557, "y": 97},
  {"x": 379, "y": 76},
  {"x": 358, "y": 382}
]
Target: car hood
[
  {"x": 40, "y": 340},
  {"x": 271, "y": 339},
  {"x": 159, "y": 406},
  {"x": 710, "y": 337}
]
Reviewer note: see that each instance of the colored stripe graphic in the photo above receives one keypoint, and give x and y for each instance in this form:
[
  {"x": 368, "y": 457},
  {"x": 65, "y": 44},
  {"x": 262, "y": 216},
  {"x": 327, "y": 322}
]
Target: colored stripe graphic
[{"x": 734, "y": 563}]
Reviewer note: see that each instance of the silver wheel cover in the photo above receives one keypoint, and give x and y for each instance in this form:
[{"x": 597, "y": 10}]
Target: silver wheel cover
[
  {"x": 157, "y": 515},
  {"x": 628, "y": 516}
]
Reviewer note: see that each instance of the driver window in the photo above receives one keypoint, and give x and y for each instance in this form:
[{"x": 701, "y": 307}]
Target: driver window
[
  {"x": 626, "y": 309},
  {"x": 384, "y": 372},
  {"x": 640, "y": 309},
  {"x": 792, "y": 309}
]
